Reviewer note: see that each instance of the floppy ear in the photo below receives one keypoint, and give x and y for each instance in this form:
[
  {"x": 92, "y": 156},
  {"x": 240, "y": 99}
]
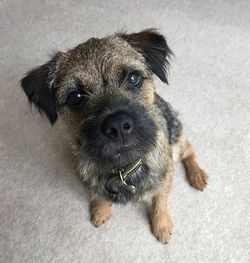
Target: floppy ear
[
  {"x": 38, "y": 86},
  {"x": 154, "y": 48}
]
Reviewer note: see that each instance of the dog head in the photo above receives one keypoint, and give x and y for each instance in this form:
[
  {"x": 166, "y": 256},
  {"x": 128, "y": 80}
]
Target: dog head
[{"x": 104, "y": 92}]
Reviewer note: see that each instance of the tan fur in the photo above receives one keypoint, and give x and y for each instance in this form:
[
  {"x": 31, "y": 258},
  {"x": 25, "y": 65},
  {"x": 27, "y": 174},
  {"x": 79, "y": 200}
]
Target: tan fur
[
  {"x": 196, "y": 177},
  {"x": 184, "y": 151},
  {"x": 161, "y": 223},
  {"x": 100, "y": 211}
]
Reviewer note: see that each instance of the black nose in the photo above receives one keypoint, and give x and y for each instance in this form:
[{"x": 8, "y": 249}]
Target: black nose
[{"x": 117, "y": 126}]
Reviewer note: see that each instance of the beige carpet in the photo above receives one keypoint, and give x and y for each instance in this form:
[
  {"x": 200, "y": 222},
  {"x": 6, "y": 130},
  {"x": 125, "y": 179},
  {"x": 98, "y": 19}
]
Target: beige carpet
[{"x": 44, "y": 207}]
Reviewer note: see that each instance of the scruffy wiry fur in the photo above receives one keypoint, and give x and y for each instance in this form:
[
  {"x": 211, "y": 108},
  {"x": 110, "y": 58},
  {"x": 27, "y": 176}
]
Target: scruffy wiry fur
[{"x": 104, "y": 92}]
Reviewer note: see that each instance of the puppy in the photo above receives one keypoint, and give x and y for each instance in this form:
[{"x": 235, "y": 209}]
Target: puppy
[{"x": 124, "y": 136}]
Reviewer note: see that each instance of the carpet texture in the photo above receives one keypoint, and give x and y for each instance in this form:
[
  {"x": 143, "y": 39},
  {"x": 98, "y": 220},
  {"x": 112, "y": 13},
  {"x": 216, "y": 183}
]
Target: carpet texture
[{"x": 44, "y": 213}]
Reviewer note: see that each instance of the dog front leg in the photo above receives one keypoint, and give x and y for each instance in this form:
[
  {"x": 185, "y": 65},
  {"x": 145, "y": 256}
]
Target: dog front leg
[
  {"x": 161, "y": 223},
  {"x": 100, "y": 211}
]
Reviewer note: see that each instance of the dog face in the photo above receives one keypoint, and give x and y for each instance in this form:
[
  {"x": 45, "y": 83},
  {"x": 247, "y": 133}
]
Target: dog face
[{"x": 104, "y": 92}]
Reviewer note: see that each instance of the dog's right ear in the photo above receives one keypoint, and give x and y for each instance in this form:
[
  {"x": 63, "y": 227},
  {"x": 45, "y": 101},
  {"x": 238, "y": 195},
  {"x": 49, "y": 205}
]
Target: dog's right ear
[{"x": 39, "y": 88}]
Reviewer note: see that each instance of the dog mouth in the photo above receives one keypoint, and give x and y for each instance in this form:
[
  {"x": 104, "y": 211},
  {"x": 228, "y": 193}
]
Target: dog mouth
[
  {"x": 122, "y": 157},
  {"x": 124, "y": 154}
]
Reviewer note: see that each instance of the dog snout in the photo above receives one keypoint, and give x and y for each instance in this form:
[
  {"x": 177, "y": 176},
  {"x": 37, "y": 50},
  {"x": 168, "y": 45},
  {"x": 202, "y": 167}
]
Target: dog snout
[{"x": 118, "y": 126}]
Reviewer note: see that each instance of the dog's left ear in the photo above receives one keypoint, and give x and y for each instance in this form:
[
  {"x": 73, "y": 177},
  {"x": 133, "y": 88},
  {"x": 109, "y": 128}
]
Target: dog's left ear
[
  {"x": 39, "y": 88},
  {"x": 154, "y": 48}
]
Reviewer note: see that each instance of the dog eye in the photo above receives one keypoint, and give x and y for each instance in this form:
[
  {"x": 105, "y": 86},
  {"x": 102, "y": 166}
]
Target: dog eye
[
  {"x": 134, "y": 79},
  {"x": 75, "y": 99}
]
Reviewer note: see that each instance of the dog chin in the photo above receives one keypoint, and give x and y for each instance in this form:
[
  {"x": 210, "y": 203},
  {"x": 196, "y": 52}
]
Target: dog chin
[{"x": 123, "y": 158}]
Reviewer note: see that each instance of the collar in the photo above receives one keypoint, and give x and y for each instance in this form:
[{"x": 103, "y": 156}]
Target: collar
[
  {"x": 124, "y": 173},
  {"x": 114, "y": 183}
]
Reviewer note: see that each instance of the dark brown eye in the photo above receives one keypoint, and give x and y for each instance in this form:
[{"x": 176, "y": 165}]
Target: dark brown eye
[
  {"x": 134, "y": 79},
  {"x": 75, "y": 99}
]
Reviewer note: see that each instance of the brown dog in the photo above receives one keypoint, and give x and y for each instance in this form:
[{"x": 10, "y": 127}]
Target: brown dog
[{"x": 124, "y": 136}]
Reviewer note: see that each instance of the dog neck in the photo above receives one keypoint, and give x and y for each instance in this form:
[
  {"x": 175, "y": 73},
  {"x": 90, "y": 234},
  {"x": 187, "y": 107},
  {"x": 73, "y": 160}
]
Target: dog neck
[
  {"x": 124, "y": 173},
  {"x": 120, "y": 177}
]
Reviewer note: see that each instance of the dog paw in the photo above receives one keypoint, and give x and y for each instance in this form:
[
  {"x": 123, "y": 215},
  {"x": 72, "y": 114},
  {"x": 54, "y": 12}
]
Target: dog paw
[
  {"x": 100, "y": 212},
  {"x": 162, "y": 228},
  {"x": 197, "y": 179}
]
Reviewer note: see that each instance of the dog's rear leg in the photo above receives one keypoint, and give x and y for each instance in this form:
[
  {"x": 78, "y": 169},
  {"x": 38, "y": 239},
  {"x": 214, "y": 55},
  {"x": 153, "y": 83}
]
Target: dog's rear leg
[{"x": 196, "y": 177}]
